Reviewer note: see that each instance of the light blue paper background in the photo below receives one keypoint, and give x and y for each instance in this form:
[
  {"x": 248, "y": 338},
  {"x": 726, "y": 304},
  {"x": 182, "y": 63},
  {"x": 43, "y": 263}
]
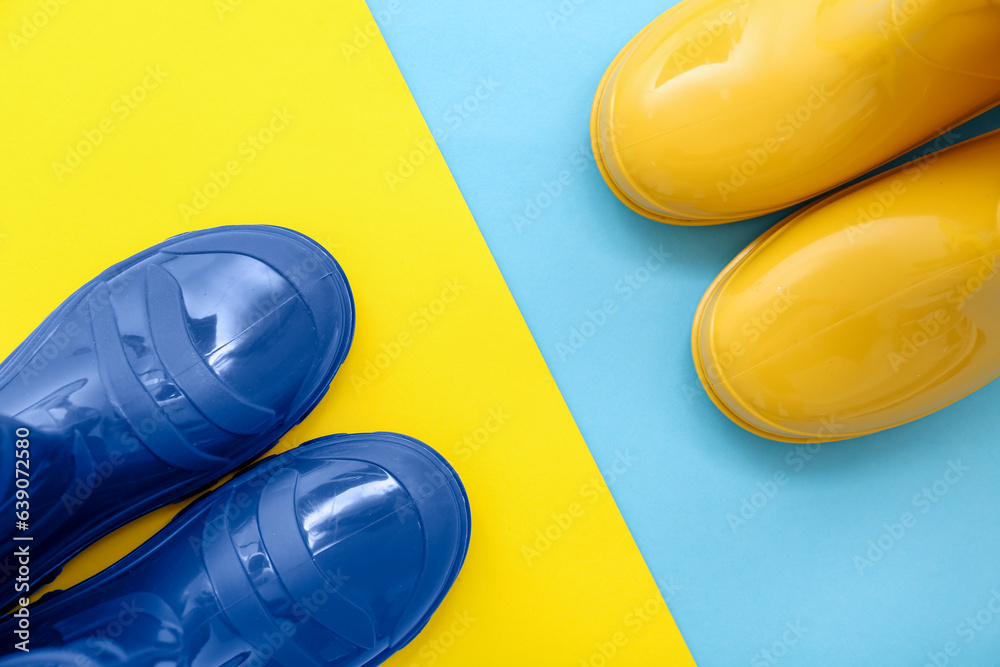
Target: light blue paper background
[{"x": 676, "y": 465}]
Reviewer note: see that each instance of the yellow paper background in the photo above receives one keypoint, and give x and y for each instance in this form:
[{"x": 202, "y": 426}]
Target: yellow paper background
[{"x": 467, "y": 377}]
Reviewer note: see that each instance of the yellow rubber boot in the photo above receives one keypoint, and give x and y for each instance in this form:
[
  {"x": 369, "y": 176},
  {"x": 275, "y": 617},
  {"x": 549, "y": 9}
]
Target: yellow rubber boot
[
  {"x": 874, "y": 307},
  {"x": 723, "y": 110}
]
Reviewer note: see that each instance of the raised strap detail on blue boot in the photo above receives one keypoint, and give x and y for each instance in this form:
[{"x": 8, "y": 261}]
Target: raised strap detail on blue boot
[
  {"x": 220, "y": 404},
  {"x": 94, "y": 382},
  {"x": 231, "y": 599},
  {"x": 295, "y": 565},
  {"x": 131, "y": 398},
  {"x": 435, "y": 489},
  {"x": 236, "y": 593}
]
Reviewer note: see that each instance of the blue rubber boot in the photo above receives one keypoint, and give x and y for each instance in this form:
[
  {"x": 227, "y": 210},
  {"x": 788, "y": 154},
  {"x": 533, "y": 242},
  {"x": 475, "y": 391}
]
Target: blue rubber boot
[
  {"x": 333, "y": 554},
  {"x": 159, "y": 376}
]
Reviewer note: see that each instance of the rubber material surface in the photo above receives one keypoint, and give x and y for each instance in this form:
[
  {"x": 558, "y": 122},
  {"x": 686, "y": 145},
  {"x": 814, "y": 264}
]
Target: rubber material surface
[
  {"x": 723, "y": 110},
  {"x": 335, "y": 553},
  {"x": 870, "y": 309},
  {"x": 162, "y": 374}
]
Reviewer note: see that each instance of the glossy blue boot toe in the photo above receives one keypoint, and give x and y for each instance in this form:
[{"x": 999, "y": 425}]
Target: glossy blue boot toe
[
  {"x": 334, "y": 554},
  {"x": 162, "y": 374}
]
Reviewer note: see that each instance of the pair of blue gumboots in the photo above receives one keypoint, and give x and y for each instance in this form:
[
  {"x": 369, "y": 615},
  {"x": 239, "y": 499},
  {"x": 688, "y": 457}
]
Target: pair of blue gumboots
[{"x": 150, "y": 383}]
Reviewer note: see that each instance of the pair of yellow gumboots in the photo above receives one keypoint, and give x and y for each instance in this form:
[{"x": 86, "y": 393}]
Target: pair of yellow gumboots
[{"x": 877, "y": 304}]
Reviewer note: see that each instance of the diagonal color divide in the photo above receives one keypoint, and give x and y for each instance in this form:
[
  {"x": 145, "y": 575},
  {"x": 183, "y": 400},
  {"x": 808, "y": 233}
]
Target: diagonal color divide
[
  {"x": 127, "y": 123},
  {"x": 775, "y": 548}
]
